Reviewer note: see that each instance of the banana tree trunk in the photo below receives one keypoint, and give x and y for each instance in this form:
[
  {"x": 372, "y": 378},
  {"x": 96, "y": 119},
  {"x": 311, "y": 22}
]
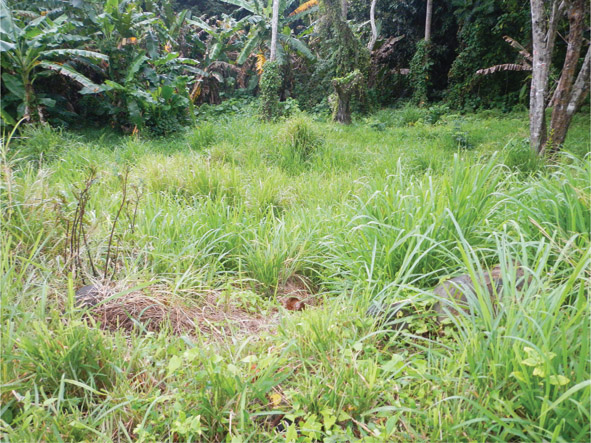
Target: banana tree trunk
[{"x": 32, "y": 113}]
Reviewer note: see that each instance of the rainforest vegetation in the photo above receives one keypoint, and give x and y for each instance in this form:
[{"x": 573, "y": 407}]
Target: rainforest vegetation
[{"x": 290, "y": 220}]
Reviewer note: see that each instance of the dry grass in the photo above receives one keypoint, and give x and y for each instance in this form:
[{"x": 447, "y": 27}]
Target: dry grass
[{"x": 155, "y": 308}]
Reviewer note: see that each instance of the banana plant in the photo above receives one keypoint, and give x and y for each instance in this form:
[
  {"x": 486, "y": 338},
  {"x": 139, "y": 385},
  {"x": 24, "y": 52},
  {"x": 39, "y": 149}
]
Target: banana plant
[
  {"x": 31, "y": 50},
  {"x": 150, "y": 89},
  {"x": 259, "y": 36}
]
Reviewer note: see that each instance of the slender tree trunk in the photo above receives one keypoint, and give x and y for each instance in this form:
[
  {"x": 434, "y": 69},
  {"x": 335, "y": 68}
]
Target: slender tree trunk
[
  {"x": 274, "y": 26},
  {"x": 344, "y": 9},
  {"x": 543, "y": 38},
  {"x": 581, "y": 86},
  {"x": 560, "y": 117},
  {"x": 374, "y": 29},
  {"x": 428, "y": 20}
]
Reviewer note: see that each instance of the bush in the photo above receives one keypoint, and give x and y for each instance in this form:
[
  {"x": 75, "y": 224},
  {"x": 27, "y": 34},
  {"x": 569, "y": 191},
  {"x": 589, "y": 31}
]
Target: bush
[
  {"x": 435, "y": 113},
  {"x": 458, "y": 138},
  {"x": 409, "y": 115}
]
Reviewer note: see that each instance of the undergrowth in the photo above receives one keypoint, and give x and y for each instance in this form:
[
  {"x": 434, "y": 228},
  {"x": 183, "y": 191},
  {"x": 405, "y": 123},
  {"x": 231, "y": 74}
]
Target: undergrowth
[{"x": 373, "y": 212}]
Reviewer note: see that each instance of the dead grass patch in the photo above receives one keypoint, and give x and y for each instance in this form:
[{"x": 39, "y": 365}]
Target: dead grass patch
[{"x": 155, "y": 308}]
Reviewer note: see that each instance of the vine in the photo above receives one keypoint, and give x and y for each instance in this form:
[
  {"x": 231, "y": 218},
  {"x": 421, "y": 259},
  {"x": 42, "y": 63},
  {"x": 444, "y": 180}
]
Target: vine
[
  {"x": 270, "y": 84},
  {"x": 420, "y": 72}
]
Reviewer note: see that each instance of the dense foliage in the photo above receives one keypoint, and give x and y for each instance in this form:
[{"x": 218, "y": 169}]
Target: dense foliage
[{"x": 136, "y": 65}]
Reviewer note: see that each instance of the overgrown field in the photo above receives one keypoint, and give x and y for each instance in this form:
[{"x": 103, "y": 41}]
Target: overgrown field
[{"x": 224, "y": 223}]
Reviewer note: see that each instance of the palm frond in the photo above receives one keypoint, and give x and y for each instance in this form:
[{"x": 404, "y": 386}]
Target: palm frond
[
  {"x": 503, "y": 67},
  {"x": 515, "y": 44}
]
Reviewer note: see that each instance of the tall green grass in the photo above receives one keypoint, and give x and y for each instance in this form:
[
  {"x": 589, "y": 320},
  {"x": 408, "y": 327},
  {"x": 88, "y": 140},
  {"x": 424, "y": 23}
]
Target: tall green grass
[{"x": 366, "y": 213}]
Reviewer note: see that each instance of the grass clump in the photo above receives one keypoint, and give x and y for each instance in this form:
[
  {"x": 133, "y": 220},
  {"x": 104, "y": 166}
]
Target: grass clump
[
  {"x": 519, "y": 156},
  {"x": 300, "y": 141},
  {"x": 202, "y": 136},
  {"x": 73, "y": 359}
]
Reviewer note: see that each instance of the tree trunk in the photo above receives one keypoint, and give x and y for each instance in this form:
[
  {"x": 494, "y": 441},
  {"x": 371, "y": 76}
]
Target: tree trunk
[
  {"x": 345, "y": 88},
  {"x": 543, "y": 37},
  {"x": 374, "y": 29},
  {"x": 560, "y": 116},
  {"x": 274, "y": 26},
  {"x": 343, "y": 112},
  {"x": 581, "y": 86},
  {"x": 344, "y": 9},
  {"x": 428, "y": 20}
]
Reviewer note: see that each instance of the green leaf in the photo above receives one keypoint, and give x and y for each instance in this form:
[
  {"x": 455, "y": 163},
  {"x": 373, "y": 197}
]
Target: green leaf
[
  {"x": 329, "y": 418},
  {"x": 215, "y": 51},
  {"x": 78, "y": 52},
  {"x": 518, "y": 375},
  {"x": 168, "y": 57},
  {"x": 6, "y": 46},
  {"x": 7, "y": 118},
  {"x": 14, "y": 85},
  {"x": 292, "y": 434},
  {"x": 70, "y": 72},
  {"x": 249, "y": 6},
  {"x": 539, "y": 372},
  {"x": 135, "y": 67},
  {"x": 249, "y": 47},
  {"x": 531, "y": 362},
  {"x": 394, "y": 364},
  {"x": 135, "y": 112},
  {"x": 174, "y": 364},
  {"x": 167, "y": 92},
  {"x": 297, "y": 45},
  {"x": 559, "y": 380},
  {"x": 196, "y": 21}
]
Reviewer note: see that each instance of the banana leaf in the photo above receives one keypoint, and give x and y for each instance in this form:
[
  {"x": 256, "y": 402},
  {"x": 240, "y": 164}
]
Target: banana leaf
[
  {"x": 79, "y": 52},
  {"x": 70, "y": 72}
]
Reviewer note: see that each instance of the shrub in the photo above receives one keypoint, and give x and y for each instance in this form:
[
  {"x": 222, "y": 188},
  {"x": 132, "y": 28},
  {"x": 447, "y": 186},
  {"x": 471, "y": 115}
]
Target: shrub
[
  {"x": 458, "y": 138},
  {"x": 409, "y": 115},
  {"x": 435, "y": 113}
]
